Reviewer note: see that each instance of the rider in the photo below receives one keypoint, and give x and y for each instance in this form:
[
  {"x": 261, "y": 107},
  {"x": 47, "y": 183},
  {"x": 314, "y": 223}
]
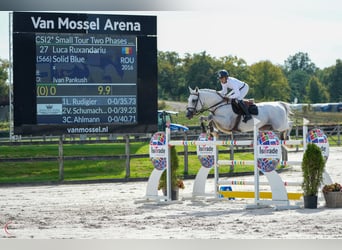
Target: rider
[{"x": 239, "y": 91}]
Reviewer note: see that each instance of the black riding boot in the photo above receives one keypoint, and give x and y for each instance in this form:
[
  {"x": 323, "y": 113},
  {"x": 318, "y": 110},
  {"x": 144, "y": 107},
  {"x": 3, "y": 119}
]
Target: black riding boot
[{"x": 245, "y": 110}]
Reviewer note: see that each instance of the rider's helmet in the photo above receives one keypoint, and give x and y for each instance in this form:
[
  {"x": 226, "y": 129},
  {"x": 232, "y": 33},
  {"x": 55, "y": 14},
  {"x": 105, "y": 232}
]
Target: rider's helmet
[{"x": 222, "y": 73}]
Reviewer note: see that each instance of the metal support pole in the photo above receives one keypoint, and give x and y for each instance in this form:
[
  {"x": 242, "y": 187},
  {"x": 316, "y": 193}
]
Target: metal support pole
[
  {"x": 216, "y": 170},
  {"x": 10, "y": 83},
  {"x": 305, "y": 132},
  {"x": 60, "y": 159},
  {"x": 256, "y": 170},
  {"x": 128, "y": 157},
  {"x": 168, "y": 167}
]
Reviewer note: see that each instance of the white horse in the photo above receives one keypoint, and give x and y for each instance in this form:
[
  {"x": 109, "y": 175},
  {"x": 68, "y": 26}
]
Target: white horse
[{"x": 272, "y": 115}]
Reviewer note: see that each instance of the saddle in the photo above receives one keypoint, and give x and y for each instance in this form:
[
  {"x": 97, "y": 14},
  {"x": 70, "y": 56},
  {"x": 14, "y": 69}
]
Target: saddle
[{"x": 252, "y": 108}]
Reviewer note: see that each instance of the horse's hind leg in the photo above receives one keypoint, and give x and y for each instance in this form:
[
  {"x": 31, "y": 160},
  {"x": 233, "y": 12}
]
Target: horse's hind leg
[{"x": 285, "y": 135}]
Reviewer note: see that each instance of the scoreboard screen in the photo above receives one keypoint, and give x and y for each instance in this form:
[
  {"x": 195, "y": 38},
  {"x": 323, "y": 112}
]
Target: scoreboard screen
[
  {"x": 86, "y": 79},
  {"x": 80, "y": 73}
]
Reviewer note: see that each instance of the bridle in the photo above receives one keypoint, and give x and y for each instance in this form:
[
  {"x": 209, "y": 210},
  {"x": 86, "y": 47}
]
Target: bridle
[{"x": 194, "y": 111}]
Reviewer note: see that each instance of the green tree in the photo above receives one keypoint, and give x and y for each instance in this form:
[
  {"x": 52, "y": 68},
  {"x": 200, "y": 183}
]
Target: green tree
[
  {"x": 298, "y": 80},
  {"x": 324, "y": 76},
  {"x": 4, "y": 65},
  {"x": 269, "y": 83},
  {"x": 170, "y": 76},
  {"x": 300, "y": 61},
  {"x": 316, "y": 92},
  {"x": 298, "y": 70},
  {"x": 335, "y": 82},
  {"x": 200, "y": 70}
]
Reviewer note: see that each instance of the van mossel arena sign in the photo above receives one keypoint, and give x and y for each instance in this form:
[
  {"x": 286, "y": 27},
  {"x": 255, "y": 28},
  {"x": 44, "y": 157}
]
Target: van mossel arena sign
[{"x": 98, "y": 24}]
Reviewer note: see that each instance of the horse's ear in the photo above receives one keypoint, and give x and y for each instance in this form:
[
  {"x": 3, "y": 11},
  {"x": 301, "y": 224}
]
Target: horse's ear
[
  {"x": 190, "y": 89},
  {"x": 196, "y": 89}
]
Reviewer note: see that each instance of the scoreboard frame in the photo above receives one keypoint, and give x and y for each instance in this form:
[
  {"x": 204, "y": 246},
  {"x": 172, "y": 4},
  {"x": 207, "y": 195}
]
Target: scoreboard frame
[{"x": 25, "y": 27}]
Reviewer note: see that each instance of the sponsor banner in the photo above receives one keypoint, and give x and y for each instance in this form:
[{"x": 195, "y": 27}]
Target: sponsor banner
[{"x": 269, "y": 151}]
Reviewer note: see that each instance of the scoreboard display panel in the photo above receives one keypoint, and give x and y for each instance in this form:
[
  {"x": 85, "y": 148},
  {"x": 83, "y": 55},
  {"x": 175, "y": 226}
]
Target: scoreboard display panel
[{"x": 84, "y": 73}]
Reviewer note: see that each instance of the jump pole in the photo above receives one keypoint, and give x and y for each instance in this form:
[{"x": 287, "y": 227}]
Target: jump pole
[
  {"x": 256, "y": 170},
  {"x": 246, "y": 183},
  {"x": 168, "y": 167}
]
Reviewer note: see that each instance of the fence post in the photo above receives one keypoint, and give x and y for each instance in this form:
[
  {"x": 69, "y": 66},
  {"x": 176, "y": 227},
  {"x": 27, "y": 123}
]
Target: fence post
[
  {"x": 60, "y": 159},
  {"x": 231, "y": 155},
  {"x": 186, "y": 159},
  {"x": 297, "y": 135},
  {"x": 128, "y": 160},
  {"x": 338, "y": 135}
]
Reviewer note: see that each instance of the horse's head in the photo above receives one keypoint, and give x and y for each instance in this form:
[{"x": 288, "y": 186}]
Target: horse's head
[{"x": 194, "y": 103}]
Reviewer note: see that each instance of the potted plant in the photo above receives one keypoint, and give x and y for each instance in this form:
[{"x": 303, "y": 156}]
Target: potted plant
[
  {"x": 333, "y": 195},
  {"x": 176, "y": 183},
  {"x": 312, "y": 166}
]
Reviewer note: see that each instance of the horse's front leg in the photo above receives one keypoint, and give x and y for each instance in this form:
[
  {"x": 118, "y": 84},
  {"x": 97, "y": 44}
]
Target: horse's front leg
[
  {"x": 210, "y": 128},
  {"x": 202, "y": 119}
]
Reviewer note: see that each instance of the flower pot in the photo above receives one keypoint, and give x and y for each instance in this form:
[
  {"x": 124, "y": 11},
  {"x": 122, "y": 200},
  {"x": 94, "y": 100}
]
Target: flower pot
[
  {"x": 174, "y": 193},
  {"x": 310, "y": 201},
  {"x": 333, "y": 199}
]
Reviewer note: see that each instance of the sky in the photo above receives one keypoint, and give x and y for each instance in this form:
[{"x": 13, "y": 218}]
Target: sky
[{"x": 251, "y": 30}]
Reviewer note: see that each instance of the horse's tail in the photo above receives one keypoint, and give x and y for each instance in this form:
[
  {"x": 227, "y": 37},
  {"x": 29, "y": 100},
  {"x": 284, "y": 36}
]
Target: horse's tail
[
  {"x": 287, "y": 107},
  {"x": 288, "y": 111}
]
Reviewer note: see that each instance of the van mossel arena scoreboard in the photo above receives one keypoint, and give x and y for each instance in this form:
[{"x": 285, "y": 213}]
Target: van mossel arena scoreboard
[{"x": 84, "y": 73}]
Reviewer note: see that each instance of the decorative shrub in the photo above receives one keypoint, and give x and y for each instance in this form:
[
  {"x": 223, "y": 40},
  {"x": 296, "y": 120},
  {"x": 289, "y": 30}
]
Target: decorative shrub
[{"x": 312, "y": 166}]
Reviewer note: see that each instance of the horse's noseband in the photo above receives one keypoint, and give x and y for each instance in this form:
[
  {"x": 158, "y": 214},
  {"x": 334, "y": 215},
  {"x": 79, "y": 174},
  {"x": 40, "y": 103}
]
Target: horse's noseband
[{"x": 193, "y": 109}]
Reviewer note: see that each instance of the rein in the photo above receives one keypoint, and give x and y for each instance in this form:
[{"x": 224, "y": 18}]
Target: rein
[{"x": 224, "y": 101}]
